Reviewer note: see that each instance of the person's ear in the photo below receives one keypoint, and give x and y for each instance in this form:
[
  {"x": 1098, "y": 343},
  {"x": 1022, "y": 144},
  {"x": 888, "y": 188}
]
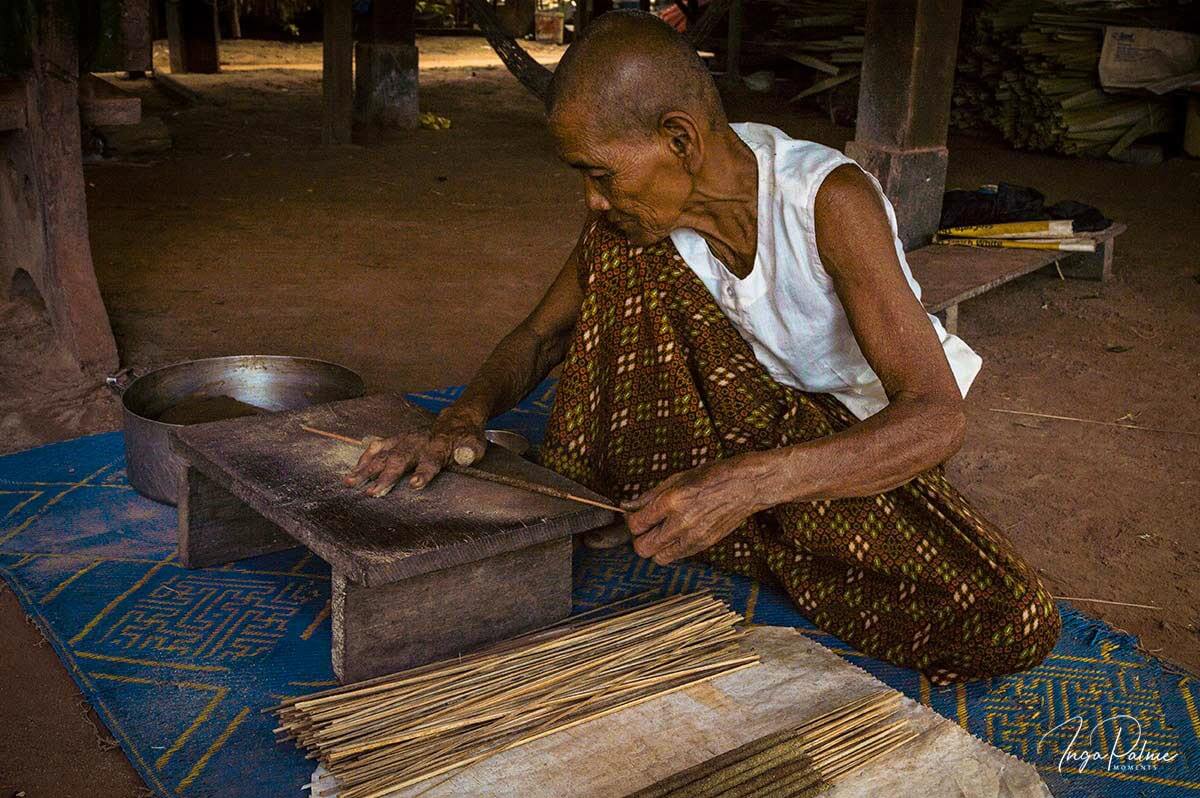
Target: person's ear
[{"x": 683, "y": 138}]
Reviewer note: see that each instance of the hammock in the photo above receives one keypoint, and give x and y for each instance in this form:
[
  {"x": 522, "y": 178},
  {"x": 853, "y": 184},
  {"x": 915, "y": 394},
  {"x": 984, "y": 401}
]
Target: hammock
[{"x": 536, "y": 77}]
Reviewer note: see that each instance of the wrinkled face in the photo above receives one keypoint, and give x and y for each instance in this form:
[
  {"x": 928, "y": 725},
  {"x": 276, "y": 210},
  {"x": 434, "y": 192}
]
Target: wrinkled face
[{"x": 637, "y": 182}]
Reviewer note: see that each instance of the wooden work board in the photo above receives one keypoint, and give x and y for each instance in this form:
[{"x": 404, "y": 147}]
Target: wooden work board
[{"x": 417, "y": 575}]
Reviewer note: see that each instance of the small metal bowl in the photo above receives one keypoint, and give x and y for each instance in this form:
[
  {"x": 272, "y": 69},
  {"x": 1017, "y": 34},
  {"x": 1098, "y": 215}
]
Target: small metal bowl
[{"x": 270, "y": 382}]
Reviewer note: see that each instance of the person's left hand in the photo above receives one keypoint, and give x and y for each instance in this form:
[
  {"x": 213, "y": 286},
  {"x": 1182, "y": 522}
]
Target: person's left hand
[{"x": 690, "y": 511}]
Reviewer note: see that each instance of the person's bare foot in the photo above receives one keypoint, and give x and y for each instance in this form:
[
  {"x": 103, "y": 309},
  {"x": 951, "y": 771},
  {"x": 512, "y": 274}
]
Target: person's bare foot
[{"x": 607, "y": 537}]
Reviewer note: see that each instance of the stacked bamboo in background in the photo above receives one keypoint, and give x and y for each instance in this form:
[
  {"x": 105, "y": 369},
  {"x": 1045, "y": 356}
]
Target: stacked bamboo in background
[
  {"x": 1055, "y": 235},
  {"x": 819, "y": 41},
  {"x": 1029, "y": 69},
  {"x": 826, "y": 37},
  {"x": 799, "y": 762},
  {"x": 385, "y": 734}
]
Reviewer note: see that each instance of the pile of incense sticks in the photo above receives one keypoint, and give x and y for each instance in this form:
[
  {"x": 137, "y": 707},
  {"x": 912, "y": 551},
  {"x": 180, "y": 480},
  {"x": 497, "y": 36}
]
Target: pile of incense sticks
[
  {"x": 799, "y": 762},
  {"x": 379, "y": 736}
]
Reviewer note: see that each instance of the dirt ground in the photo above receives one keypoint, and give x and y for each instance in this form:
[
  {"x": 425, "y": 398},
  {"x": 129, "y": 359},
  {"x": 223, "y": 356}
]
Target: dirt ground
[{"x": 407, "y": 261}]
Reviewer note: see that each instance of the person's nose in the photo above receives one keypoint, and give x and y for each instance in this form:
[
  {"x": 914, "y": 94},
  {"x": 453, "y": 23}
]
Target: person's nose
[{"x": 597, "y": 202}]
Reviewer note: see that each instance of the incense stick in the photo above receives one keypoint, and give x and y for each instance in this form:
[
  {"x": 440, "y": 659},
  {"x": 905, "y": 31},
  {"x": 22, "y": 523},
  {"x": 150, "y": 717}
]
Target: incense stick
[{"x": 800, "y": 761}]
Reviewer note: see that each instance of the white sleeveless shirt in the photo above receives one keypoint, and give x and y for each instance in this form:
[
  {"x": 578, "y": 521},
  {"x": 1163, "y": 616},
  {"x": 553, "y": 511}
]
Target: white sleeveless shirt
[{"x": 786, "y": 308}]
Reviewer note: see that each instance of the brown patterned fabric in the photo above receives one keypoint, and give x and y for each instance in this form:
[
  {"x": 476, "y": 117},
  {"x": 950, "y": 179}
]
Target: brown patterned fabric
[{"x": 657, "y": 380}]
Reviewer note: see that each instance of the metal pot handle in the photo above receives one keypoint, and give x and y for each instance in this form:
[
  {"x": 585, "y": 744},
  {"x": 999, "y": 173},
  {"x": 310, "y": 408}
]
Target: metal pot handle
[{"x": 121, "y": 379}]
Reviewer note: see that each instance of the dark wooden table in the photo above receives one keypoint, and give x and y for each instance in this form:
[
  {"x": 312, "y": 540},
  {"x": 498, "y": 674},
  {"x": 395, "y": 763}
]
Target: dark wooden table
[{"x": 417, "y": 575}]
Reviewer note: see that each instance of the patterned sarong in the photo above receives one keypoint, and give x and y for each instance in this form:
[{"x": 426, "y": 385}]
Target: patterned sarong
[{"x": 657, "y": 380}]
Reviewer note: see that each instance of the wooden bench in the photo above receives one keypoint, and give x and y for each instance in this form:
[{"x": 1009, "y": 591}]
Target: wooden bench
[
  {"x": 950, "y": 275},
  {"x": 417, "y": 575},
  {"x": 103, "y": 104}
]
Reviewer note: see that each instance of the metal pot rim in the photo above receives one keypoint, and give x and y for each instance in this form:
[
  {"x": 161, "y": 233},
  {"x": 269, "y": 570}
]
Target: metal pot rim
[{"x": 123, "y": 391}]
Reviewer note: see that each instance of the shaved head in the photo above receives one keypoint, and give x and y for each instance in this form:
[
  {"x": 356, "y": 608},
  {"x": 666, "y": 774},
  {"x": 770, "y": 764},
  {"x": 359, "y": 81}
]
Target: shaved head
[
  {"x": 625, "y": 72},
  {"x": 634, "y": 111}
]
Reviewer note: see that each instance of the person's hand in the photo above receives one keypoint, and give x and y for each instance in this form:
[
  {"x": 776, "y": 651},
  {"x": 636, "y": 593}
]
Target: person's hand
[
  {"x": 425, "y": 453},
  {"x": 690, "y": 511}
]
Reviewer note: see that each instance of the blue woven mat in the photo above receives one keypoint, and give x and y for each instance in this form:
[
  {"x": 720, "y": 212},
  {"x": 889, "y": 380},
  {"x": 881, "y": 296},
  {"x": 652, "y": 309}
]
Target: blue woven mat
[{"x": 178, "y": 663}]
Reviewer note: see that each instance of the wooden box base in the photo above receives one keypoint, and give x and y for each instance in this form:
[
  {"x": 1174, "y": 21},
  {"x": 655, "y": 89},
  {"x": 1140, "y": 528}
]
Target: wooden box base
[
  {"x": 403, "y": 624},
  {"x": 379, "y": 630}
]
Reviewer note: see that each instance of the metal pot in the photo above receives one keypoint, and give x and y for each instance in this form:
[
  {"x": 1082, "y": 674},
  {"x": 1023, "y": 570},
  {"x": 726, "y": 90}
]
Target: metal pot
[{"x": 270, "y": 382}]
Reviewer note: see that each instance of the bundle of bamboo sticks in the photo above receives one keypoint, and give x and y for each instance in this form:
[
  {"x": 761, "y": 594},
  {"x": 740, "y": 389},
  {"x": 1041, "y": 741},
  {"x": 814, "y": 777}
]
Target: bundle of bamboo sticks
[
  {"x": 1029, "y": 69},
  {"x": 1055, "y": 234},
  {"x": 387, "y": 733},
  {"x": 799, "y": 762}
]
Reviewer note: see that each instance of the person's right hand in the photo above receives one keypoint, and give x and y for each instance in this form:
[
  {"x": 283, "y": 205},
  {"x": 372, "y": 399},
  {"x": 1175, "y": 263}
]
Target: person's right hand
[{"x": 425, "y": 453}]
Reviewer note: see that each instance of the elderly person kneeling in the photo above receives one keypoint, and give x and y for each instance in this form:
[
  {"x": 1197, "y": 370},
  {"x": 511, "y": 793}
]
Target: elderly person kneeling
[{"x": 746, "y": 363}]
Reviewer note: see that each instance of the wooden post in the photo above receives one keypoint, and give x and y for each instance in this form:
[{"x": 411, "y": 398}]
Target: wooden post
[
  {"x": 393, "y": 21},
  {"x": 43, "y": 208},
  {"x": 138, "y": 39},
  {"x": 192, "y": 36},
  {"x": 386, "y": 74},
  {"x": 583, "y": 15},
  {"x": 733, "y": 49},
  {"x": 904, "y": 107},
  {"x": 337, "y": 74},
  {"x": 175, "y": 46}
]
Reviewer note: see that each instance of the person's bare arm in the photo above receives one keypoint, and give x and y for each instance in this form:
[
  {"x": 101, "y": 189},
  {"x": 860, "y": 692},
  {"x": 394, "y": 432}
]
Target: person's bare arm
[
  {"x": 922, "y": 425},
  {"x": 519, "y": 362}
]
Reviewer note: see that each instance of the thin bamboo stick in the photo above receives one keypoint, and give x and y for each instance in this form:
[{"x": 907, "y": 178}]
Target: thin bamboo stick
[
  {"x": 1094, "y": 421},
  {"x": 1105, "y": 601},
  {"x": 1072, "y": 245},
  {"x": 1050, "y": 228}
]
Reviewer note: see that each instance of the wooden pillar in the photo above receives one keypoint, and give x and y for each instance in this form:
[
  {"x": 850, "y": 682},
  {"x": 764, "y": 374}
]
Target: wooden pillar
[
  {"x": 337, "y": 74},
  {"x": 43, "y": 207},
  {"x": 192, "y": 36},
  {"x": 386, "y": 73},
  {"x": 175, "y": 46},
  {"x": 904, "y": 106},
  {"x": 137, "y": 46},
  {"x": 393, "y": 21},
  {"x": 583, "y": 15},
  {"x": 733, "y": 50}
]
